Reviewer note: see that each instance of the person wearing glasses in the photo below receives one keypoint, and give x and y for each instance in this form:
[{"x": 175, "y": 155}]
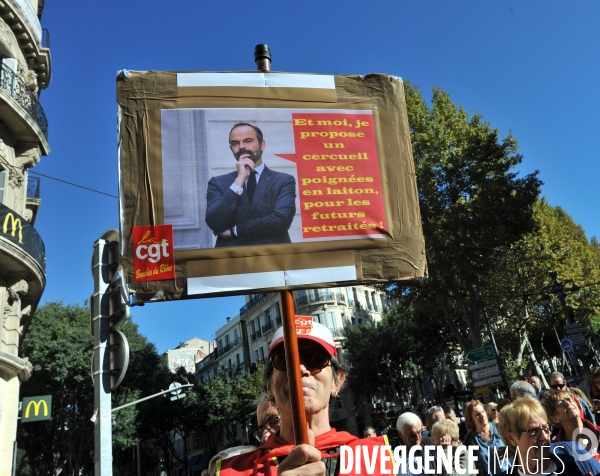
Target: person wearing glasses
[
  {"x": 524, "y": 426},
  {"x": 563, "y": 410},
  {"x": 558, "y": 384},
  {"x": 487, "y": 437},
  {"x": 268, "y": 418},
  {"x": 492, "y": 412},
  {"x": 322, "y": 380},
  {"x": 410, "y": 429}
]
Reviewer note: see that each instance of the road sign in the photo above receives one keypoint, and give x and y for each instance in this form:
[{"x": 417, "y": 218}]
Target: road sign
[
  {"x": 581, "y": 349},
  {"x": 176, "y": 391},
  {"x": 577, "y": 339},
  {"x": 496, "y": 379},
  {"x": 483, "y": 364},
  {"x": 566, "y": 345},
  {"x": 573, "y": 328},
  {"x": 483, "y": 353},
  {"x": 36, "y": 408},
  {"x": 486, "y": 373}
]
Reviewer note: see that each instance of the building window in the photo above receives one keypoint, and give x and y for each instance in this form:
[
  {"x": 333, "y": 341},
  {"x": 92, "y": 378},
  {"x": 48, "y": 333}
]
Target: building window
[
  {"x": 3, "y": 178},
  {"x": 235, "y": 335},
  {"x": 262, "y": 353},
  {"x": 368, "y": 299},
  {"x": 220, "y": 345},
  {"x": 227, "y": 340},
  {"x": 237, "y": 359},
  {"x": 255, "y": 356},
  {"x": 355, "y": 295},
  {"x": 320, "y": 318},
  {"x": 331, "y": 321},
  {"x": 252, "y": 327},
  {"x": 374, "y": 299}
]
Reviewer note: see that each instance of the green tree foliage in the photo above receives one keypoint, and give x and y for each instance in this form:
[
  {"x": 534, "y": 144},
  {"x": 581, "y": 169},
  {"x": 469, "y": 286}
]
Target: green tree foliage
[
  {"x": 406, "y": 339},
  {"x": 472, "y": 205},
  {"x": 490, "y": 245},
  {"x": 210, "y": 410},
  {"x": 59, "y": 340}
]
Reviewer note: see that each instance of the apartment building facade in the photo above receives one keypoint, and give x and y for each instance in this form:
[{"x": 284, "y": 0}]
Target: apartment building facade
[{"x": 25, "y": 69}]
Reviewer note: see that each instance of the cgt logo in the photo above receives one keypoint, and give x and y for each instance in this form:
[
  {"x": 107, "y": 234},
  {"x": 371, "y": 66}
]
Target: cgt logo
[{"x": 153, "y": 253}]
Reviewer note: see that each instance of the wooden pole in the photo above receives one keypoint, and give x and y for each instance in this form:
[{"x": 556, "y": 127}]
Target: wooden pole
[
  {"x": 262, "y": 57},
  {"x": 292, "y": 362}
]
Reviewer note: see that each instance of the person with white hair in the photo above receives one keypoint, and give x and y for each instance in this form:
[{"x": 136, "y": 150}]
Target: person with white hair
[
  {"x": 522, "y": 389},
  {"x": 410, "y": 430}
]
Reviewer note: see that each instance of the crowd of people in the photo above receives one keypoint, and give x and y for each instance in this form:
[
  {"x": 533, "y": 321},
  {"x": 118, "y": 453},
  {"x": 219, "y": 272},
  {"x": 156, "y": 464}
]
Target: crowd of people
[{"x": 537, "y": 431}]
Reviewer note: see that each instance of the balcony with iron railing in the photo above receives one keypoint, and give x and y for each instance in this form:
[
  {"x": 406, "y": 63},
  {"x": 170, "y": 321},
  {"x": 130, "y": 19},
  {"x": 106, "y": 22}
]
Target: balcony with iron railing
[
  {"x": 16, "y": 88},
  {"x": 232, "y": 345},
  {"x": 253, "y": 302},
  {"x": 278, "y": 321},
  {"x": 267, "y": 327},
  {"x": 33, "y": 188},
  {"x": 255, "y": 335},
  {"x": 320, "y": 296}
]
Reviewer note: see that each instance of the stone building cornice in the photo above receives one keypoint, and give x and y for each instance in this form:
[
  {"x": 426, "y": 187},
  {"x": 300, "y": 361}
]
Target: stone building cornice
[
  {"x": 14, "y": 366},
  {"x": 28, "y": 31}
]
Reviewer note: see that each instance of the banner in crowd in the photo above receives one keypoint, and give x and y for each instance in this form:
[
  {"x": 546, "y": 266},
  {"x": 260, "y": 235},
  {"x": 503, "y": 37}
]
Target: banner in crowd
[{"x": 240, "y": 182}]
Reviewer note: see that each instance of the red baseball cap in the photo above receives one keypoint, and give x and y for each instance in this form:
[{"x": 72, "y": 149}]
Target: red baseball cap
[{"x": 307, "y": 329}]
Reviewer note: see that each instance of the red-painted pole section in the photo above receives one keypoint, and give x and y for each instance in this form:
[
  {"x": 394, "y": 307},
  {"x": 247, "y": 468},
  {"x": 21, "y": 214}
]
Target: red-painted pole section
[{"x": 292, "y": 362}]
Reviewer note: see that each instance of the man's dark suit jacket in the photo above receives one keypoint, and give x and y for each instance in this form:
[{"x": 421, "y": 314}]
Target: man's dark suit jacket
[{"x": 265, "y": 221}]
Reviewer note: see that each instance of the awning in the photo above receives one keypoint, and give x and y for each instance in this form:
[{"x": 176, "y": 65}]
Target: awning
[
  {"x": 192, "y": 461},
  {"x": 198, "y": 460}
]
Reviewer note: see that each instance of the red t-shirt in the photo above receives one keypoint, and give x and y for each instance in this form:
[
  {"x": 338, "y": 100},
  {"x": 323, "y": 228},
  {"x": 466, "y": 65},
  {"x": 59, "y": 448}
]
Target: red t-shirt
[{"x": 265, "y": 459}]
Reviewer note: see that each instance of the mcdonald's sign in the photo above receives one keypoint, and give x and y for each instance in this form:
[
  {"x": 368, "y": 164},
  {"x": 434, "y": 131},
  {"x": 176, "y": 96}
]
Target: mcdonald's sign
[
  {"x": 19, "y": 231},
  {"x": 36, "y": 408},
  {"x": 15, "y": 223}
]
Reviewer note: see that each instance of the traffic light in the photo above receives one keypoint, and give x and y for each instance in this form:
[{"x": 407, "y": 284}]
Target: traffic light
[{"x": 109, "y": 305}]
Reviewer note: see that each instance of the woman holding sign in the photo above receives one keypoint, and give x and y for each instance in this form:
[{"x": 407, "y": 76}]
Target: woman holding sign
[{"x": 322, "y": 379}]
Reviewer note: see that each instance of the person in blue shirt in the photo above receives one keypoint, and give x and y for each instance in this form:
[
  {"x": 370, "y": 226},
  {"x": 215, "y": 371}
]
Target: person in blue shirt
[
  {"x": 485, "y": 435},
  {"x": 524, "y": 426}
]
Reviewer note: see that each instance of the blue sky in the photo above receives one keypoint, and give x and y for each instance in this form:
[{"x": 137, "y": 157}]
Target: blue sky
[{"x": 530, "y": 67}]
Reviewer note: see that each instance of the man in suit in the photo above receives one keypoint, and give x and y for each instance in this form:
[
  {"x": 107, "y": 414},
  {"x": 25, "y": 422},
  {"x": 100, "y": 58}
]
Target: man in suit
[{"x": 253, "y": 205}]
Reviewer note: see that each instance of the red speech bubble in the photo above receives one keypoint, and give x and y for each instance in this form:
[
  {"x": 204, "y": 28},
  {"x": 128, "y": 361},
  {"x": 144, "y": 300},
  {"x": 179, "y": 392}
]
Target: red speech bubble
[{"x": 338, "y": 175}]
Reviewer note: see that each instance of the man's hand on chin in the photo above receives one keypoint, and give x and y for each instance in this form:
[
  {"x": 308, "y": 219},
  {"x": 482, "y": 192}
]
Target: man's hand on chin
[{"x": 224, "y": 234}]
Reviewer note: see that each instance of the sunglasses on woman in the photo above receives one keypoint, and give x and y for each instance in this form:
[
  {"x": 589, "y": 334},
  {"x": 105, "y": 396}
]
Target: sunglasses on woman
[
  {"x": 313, "y": 359},
  {"x": 564, "y": 401},
  {"x": 537, "y": 432}
]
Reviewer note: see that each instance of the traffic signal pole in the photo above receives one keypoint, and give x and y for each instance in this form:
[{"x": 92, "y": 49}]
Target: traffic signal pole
[
  {"x": 101, "y": 362},
  {"x": 108, "y": 307}
]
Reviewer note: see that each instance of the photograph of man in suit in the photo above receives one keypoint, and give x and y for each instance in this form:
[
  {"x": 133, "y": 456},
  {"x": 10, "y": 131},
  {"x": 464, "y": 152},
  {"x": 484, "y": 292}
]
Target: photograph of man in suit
[{"x": 253, "y": 205}]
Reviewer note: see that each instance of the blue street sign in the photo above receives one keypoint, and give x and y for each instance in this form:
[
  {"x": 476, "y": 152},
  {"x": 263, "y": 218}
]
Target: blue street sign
[{"x": 566, "y": 345}]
